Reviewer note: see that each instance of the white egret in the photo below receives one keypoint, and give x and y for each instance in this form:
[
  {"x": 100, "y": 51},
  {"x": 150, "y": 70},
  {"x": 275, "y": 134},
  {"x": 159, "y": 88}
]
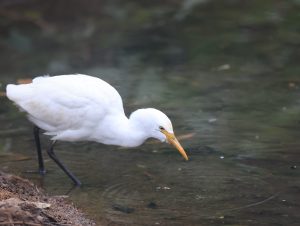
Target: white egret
[{"x": 85, "y": 108}]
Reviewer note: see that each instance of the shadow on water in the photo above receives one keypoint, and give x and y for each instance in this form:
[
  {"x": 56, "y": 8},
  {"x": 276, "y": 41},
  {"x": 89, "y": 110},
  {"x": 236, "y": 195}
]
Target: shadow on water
[{"x": 226, "y": 75}]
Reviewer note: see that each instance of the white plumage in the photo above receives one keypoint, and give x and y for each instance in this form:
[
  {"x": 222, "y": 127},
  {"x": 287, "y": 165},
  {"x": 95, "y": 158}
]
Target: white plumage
[{"x": 81, "y": 107}]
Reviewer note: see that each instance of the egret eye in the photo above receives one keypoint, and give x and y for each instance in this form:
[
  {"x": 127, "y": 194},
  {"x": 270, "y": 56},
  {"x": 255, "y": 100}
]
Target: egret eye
[{"x": 161, "y": 128}]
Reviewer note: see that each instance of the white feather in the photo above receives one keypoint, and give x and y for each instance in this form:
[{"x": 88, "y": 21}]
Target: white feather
[{"x": 80, "y": 107}]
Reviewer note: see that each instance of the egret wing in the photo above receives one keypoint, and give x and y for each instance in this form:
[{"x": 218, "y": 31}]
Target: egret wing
[{"x": 69, "y": 104}]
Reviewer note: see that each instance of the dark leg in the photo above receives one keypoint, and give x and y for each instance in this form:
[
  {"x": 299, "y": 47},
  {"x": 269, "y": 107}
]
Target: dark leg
[
  {"x": 36, "y": 132},
  {"x": 61, "y": 165}
]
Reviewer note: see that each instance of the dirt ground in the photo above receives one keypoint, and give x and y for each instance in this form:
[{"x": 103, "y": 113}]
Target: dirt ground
[{"x": 23, "y": 203}]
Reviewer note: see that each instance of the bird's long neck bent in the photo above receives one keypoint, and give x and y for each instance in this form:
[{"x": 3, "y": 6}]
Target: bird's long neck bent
[{"x": 123, "y": 132}]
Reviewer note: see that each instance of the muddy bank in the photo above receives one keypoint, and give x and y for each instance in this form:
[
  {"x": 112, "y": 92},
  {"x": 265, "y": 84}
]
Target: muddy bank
[{"x": 23, "y": 203}]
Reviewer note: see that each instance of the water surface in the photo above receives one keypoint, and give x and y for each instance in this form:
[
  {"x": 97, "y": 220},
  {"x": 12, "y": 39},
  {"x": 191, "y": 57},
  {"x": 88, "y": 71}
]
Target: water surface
[{"x": 226, "y": 75}]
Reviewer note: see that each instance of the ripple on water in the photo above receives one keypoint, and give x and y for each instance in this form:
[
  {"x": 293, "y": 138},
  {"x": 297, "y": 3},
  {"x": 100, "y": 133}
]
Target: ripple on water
[{"x": 181, "y": 194}]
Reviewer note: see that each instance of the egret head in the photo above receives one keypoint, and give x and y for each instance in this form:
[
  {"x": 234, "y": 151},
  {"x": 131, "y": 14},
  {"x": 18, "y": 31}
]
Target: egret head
[{"x": 159, "y": 126}]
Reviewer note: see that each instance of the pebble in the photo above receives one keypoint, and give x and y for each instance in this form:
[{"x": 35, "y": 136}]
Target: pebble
[
  {"x": 124, "y": 209},
  {"x": 152, "y": 205}
]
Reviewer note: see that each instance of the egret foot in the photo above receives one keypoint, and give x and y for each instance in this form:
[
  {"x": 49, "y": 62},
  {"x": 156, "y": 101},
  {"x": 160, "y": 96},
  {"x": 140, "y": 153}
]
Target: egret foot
[{"x": 42, "y": 172}]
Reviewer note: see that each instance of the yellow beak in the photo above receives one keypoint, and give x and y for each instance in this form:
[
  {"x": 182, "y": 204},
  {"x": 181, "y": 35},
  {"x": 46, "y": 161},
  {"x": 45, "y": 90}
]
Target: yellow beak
[{"x": 173, "y": 140}]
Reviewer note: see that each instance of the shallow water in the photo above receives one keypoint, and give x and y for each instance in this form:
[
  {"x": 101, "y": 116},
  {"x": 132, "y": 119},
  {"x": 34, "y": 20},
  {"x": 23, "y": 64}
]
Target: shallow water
[{"x": 229, "y": 84}]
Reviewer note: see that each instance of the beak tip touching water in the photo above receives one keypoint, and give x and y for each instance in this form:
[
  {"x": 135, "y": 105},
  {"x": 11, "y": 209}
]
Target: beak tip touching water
[
  {"x": 184, "y": 155},
  {"x": 186, "y": 158},
  {"x": 173, "y": 140}
]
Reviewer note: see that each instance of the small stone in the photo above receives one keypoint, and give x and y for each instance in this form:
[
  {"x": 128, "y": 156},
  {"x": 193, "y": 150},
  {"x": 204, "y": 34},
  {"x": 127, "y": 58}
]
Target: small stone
[
  {"x": 211, "y": 120},
  {"x": 162, "y": 188},
  {"x": 292, "y": 85},
  {"x": 223, "y": 67},
  {"x": 141, "y": 166},
  {"x": 199, "y": 197},
  {"x": 124, "y": 209},
  {"x": 152, "y": 205},
  {"x": 40, "y": 218}
]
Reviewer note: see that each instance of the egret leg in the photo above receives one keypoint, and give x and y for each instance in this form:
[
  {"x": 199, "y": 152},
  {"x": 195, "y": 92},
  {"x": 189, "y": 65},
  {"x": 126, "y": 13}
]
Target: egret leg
[
  {"x": 36, "y": 133},
  {"x": 53, "y": 156}
]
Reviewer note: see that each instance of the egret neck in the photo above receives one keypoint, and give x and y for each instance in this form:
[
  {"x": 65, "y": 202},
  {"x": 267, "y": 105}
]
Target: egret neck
[
  {"x": 130, "y": 132},
  {"x": 119, "y": 130}
]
